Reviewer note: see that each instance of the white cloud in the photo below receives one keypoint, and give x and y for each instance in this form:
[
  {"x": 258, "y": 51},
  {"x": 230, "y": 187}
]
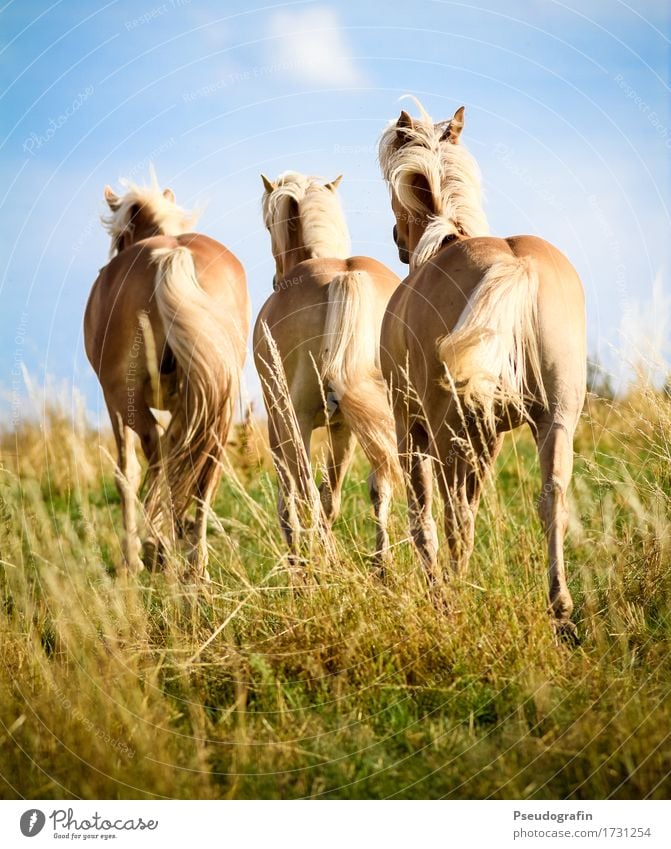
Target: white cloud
[
  {"x": 311, "y": 46},
  {"x": 646, "y": 333}
]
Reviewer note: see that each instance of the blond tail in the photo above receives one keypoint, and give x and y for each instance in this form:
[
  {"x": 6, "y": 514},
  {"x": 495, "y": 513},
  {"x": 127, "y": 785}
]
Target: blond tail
[
  {"x": 351, "y": 371},
  {"x": 201, "y": 339},
  {"x": 489, "y": 353}
]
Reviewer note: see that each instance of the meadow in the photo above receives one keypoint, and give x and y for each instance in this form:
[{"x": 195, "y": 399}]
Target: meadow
[{"x": 349, "y": 687}]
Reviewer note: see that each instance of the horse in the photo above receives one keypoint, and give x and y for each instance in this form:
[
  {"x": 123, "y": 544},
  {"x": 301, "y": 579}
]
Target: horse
[
  {"x": 485, "y": 334},
  {"x": 166, "y": 328},
  {"x": 316, "y": 340}
]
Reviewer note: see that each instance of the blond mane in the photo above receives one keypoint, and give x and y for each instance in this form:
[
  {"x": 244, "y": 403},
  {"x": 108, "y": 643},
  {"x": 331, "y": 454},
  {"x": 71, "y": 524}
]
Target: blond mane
[
  {"x": 452, "y": 175},
  {"x": 323, "y": 225},
  {"x": 168, "y": 218}
]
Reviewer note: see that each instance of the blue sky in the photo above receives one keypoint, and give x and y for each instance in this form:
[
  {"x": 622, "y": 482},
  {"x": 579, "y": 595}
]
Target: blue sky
[{"x": 567, "y": 112}]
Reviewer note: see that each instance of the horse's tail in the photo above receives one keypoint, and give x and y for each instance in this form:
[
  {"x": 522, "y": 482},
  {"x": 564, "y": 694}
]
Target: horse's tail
[
  {"x": 350, "y": 368},
  {"x": 200, "y": 337},
  {"x": 495, "y": 343}
]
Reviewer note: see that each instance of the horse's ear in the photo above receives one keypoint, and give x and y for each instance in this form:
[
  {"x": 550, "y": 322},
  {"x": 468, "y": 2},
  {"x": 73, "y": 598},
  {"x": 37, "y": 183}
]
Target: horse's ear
[
  {"x": 333, "y": 185},
  {"x": 403, "y": 124},
  {"x": 112, "y": 199},
  {"x": 268, "y": 185},
  {"x": 168, "y": 194},
  {"x": 454, "y": 128}
]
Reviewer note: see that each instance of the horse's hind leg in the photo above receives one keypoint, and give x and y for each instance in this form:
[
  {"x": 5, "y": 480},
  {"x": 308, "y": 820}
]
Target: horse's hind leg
[
  {"x": 380, "y": 489},
  {"x": 341, "y": 448},
  {"x": 417, "y": 464},
  {"x": 145, "y": 426},
  {"x": 555, "y": 451},
  {"x": 199, "y": 554},
  {"x": 127, "y": 476},
  {"x": 298, "y": 499},
  {"x": 366, "y": 412},
  {"x": 461, "y": 479}
]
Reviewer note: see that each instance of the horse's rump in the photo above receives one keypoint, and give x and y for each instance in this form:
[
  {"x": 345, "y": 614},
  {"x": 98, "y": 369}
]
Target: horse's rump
[
  {"x": 200, "y": 336},
  {"x": 350, "y": 367},
  {"x": 495, "y": 343}
]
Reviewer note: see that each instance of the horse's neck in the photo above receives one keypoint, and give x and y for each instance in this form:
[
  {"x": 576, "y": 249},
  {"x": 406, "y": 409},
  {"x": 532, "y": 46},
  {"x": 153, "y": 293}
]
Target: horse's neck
[
  {"x": 293, "y": 256},
  {"x": 465, "y": 195}
]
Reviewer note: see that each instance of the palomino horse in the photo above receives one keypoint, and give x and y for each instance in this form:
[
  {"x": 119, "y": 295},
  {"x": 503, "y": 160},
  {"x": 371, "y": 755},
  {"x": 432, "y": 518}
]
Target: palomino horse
[
  {"x": 165, "y": 327},
  {"x": 483, "y": 335},
  {"x": 323, "y": 325}
]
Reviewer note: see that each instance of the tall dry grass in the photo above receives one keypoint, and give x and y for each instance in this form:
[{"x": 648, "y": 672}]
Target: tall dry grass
[{"x": 348, "y": 687}]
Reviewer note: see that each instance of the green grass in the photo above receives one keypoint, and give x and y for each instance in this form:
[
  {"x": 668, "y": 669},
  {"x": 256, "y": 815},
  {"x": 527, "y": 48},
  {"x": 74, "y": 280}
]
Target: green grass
[{"x": 349, "y": 688}]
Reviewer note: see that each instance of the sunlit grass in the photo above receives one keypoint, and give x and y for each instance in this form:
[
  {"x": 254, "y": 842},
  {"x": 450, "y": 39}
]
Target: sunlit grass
[{"x": 349, "y": 687}]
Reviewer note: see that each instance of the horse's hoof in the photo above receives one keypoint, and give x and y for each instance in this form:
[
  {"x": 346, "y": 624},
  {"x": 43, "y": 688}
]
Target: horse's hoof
[
  {"x": 198, "y": 575},
  {"x": 132, "y": 560},
  {"x": 439, "y": 598},
  {"x": 378, "y": 567},
  {"x": 153, "y": 556},
  {"x": 567, "y": 632},
  {"x": 185, "y": 528},
  {"x": 379, "y": 572},
  {"x": 197, "y": 580},
  {"x": 130, "y": 568},
  {"x": 197, "y": 559},
  {"x": 298, "y": 572}
]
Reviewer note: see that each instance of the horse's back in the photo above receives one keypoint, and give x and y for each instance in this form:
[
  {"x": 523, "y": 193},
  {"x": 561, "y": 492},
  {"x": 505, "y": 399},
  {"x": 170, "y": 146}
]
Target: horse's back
[
  {"x": 220, "y": 272},
  {"x": 125, "y": 290},
  {"x": 297, "y": 308},
  {"x": 296, "y": 315},
  {"x": 436, "y": 294}
]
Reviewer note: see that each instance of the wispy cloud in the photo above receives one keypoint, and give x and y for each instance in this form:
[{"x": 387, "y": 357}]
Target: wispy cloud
[
  {"x": 312, "y": 46},
  {"x": 646, "y": 333}
]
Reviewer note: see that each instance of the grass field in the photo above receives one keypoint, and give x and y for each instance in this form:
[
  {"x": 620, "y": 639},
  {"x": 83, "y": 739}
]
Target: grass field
[{"x": 113, "y": 688}]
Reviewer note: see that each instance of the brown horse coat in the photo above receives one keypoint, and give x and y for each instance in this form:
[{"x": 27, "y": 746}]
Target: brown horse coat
[
  {"x": 483, "y": 335},
  {"x": 323, "y": 323},
  {"x": 165, "y": 328}
]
